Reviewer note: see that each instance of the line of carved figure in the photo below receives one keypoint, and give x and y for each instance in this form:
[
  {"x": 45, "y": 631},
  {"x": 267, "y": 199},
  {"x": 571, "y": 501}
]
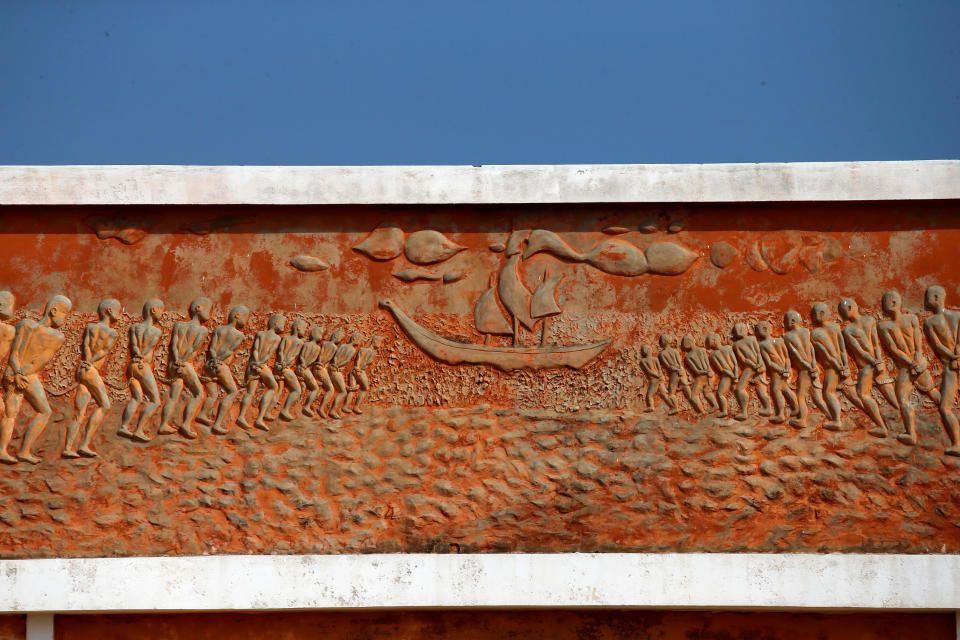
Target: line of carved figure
[
  {"x": 757, "y": 363},
  {"x": 294, "y": 361}
]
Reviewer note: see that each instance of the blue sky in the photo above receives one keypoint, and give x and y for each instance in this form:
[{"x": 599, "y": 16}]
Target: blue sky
[{"x": 422, "y": 82}]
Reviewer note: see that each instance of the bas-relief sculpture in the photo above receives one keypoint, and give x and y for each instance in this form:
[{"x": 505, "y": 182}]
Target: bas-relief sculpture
[{"x": 731, "y": 382}]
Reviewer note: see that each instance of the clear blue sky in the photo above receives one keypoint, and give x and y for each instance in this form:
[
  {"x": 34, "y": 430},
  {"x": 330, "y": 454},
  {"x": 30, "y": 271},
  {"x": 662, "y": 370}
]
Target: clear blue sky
[{"x": 418, "y": 82}]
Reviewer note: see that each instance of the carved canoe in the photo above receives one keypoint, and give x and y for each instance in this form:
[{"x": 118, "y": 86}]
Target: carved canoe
[{"x": 505, "y": 358}]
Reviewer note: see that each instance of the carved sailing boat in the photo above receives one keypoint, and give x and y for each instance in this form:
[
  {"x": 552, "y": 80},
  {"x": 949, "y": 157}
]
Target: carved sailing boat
[{"x": 526, "y": 310}]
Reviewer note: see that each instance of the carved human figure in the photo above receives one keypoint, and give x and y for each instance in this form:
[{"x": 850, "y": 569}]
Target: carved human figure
[
  {"x": 224, "y": 344},
  {"x": 803, "y": 357},
  {"x": 7, "y": 331},
  {"x": 265, "y": 344},
  {"x": 776, "y": 357},
  {"x": 144, "y": 338},
  {"x": 831, "y": 354},
  {"x": 697, "y": 362},
  {"x": 305, "y": 364},
  {"x": 752, "y": 371},
  {"x": 863, "y": 343},
  {"x": 34, "y": 345},
  {"x": 322, "y": 370},
  {"x": 287, "y": 354},
  {"x": 359, "y": 383},
  {"x": 650, "y": 365},
  {"x": 186, "y": 343},
  {"x": 671, "y": 363},
  {"x": 901, "y": 337},
  {"x": 341, "y": 359},
  {"x": 943, "y": 333},
  {"x": 724, "y": 362},
  {"x": 98, "y": 340}
]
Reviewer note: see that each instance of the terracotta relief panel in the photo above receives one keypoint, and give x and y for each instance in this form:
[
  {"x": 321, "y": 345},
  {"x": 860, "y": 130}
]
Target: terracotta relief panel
[{"x": 532, "y": 378}]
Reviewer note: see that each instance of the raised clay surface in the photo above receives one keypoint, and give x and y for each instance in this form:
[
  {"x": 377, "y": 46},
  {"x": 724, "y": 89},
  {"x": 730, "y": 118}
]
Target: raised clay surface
[{"x": 550, "y": 379}]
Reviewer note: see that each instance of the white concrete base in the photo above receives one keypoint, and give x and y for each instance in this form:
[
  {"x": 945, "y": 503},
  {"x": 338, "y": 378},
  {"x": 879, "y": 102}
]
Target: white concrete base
[
  {"x": 711, "y": 581},
  {"x": 39, "y": 626},
  {"x": 492, "y": 184}
]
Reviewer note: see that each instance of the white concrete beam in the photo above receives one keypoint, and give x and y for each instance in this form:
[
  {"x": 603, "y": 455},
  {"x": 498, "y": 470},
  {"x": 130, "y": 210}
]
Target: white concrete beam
[
  {"x": 712, "y": 581},
  {"x": 492, "y": 184}
]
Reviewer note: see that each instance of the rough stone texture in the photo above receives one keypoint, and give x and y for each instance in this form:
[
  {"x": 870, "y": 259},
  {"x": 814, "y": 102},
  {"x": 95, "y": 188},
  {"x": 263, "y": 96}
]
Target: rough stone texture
[
  {"x": 485, "y": 479},
  {"x": 490, "y": 625}
]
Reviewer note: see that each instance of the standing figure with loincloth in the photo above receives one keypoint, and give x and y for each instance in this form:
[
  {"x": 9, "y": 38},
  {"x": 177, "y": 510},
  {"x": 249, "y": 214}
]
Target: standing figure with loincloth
[
  {"x": 831, "y": 354},
  {"x": 305, "y": 363},
  {"x": 359, "y": 383},
  {"x": 224, "y": 344},
  {"x": 287, "y": 354},
  {"x": 803, "y": 357},
  {"x": 34, "y": 345},
  {"x": 98, "y": 340},
  {"x": 752, "y": 371},
  {"x": 144, "y": 338},
  {"x": 671, "y": 363},
  {"x": 943, "y": 333},
  {"x": 265, "y": 344},
  {"x": 651, "y": 368},
  {"x": 776, "y": 357},
  {"x": 697, "y": 362},
  {"x": 322, "y": 370},
  {"x": 341, "y": 360},
  {"x": 863, "y": 343},
  {"x": 724, "y": 362},
  {"x": 186, "y": 343}
]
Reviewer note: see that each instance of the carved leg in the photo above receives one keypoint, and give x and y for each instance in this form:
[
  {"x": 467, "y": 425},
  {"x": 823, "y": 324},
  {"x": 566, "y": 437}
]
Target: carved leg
[
  {"x": 206, "y": 414},
  {"x": 171, "y": 405},
  {"x": 130, "y": 409},
  {"x": 740, "y": 391},
  {"x": 266, "y": 402},
  {"x": 803, "y": 411},
  {"x": 12, "y": 410},
  {"x": 225, "y": 378},
  {"x": 37, "y": 398},
  {"x": 152, "y": 393},
  {"x": 79, "y": 409},
  {"x": 102, "y": 400},
  {"x": 293, "y": 384},
  {"x": 313, "y": 389},
  {"x": 197, "y": 396},
  {"x": 830, "y": 380},
  {"x": 948, "y": 393}
]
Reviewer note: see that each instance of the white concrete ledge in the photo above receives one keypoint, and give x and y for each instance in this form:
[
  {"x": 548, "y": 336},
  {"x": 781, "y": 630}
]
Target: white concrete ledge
[
  {"x": 492, "y": 184},
  {"x": 712, "y": 581}
]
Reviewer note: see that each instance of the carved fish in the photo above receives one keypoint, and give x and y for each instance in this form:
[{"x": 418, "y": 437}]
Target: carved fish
[
  {"x": 722, "y": 254},
  {"x": 615, "y": 231},
  {"x": 429, "y": 246},
  {"x": 649, "y": 226},
  {"x": 618, "y": 257},
  {"x": 753, "y": 258},
  {"x": 453, "y": 276},
  {"x": 669, "y": 258},
  {"x": 515, "y": 241},
  {"x": 498, "y": 247},
  {"x": 308, "y": 263},
  {"x": 412, "y": 275},
  {"x": 384, "y": 243},
  {"x": 675, "y": 227},
  {"x": 549, "y": 242},
  {"x": 128, "y": 229}
]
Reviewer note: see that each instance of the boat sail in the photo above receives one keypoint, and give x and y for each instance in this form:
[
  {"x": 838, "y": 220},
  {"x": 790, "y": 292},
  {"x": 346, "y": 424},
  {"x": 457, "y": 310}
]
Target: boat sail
[
  {"x": 544, "y": 303},
  {"x": 487, "y": 316}
]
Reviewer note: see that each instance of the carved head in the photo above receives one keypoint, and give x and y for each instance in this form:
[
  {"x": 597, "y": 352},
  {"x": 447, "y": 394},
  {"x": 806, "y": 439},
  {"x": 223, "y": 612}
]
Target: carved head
[
  {"x": 762, "y": 329},
  {"x": 200, "y": 309},
  {"x": 238, "y": 316},
  {"x": 713, "y": 341},
  {"x": 299, "y": 328},
  {"x": 934, "y": 298},
  {"x": 356, "y": 339},
  {"x": 276, "y": 322},
  {"x": 891, "y": 303},
  {"x": 57, "y": 309},
  {"x": 316, "y": 334},
  {"x": 6, "y": 305},
  {"x": 687, "y": 343},
  {"x": 337, "y": 336},
  {"x": 375, "y": 341},
  {"x": 819, "y": 313},
  {"x": 665, "y": 340},
  {"x": 792, "y": 319},
  {"x": 153, "y": 308},
  {"x": 740, "y": 330},
  {"x": 848, "y": 309},
  {"x": 646, "y": 351},
  {"x": 109, "y": 309}
]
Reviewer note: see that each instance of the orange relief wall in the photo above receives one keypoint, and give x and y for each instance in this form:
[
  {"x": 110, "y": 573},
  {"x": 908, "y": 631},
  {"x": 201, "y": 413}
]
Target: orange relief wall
[{"x": 466, "y": 441}]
